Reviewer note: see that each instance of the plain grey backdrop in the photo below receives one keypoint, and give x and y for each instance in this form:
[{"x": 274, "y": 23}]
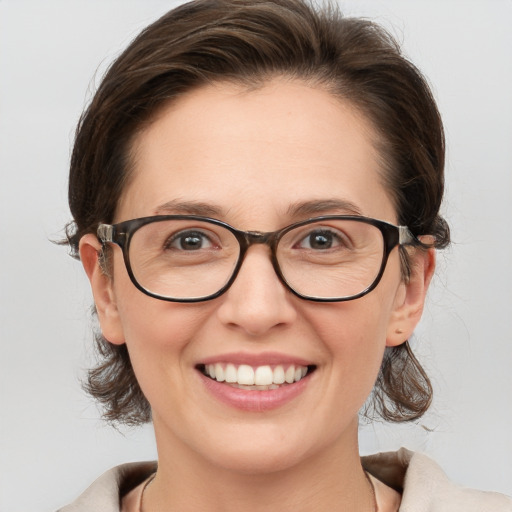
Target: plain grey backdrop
[{"x": 52, "y": 54}]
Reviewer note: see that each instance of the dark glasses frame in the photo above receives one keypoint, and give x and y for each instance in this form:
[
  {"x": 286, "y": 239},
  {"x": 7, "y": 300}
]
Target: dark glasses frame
[{"x": 121, "y": 234}]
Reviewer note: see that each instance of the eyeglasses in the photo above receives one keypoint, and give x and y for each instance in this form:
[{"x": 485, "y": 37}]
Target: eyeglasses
[{"x": 188, "y": 258}]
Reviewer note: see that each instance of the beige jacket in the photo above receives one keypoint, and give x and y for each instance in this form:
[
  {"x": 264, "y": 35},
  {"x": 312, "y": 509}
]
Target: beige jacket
[{"x": 424, "y": 486}]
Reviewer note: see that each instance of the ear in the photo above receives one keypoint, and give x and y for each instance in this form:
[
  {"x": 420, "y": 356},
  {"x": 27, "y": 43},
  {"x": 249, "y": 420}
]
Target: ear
[
  {"x": 410, "y": 297},
  {"x": 102, "y": 290}
]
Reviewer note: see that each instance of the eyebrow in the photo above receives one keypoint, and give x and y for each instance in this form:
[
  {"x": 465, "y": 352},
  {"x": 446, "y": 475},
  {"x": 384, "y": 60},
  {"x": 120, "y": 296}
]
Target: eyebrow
[
  {"x": 320, "y": 207},
  {"x": 178, "y": 207},
  {"x": 299, "y": 209}
]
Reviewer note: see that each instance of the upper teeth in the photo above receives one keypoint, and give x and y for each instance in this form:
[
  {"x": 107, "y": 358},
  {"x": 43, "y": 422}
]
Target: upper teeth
[{"x": 259, "y": 376}]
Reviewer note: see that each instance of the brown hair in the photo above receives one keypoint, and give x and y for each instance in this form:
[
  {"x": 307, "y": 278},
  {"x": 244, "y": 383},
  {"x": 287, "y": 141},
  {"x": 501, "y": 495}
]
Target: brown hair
[{"x": 208, "y": 41}]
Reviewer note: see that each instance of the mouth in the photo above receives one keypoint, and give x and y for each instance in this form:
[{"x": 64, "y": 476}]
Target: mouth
[{"x": 256, "y": 378}]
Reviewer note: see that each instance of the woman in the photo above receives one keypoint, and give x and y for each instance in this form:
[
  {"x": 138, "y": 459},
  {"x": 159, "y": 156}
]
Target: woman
[{"x": 255, "y": 190}]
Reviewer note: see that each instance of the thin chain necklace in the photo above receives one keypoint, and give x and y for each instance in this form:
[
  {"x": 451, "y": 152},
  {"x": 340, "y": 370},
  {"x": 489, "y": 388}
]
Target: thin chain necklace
[
  {"x": 148, "y": 481},
  {"x": 372, "y": 489}
]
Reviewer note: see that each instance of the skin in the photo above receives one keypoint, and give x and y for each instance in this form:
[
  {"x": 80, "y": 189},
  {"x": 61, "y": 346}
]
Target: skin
[{"x": 253, "y": 156}]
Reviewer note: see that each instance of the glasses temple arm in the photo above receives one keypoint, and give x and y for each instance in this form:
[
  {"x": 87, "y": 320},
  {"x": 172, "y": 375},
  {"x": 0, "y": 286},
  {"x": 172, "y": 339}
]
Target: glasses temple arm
[
  {"x": 105, "y": 232},
  {"x": 405, "y": 237}
]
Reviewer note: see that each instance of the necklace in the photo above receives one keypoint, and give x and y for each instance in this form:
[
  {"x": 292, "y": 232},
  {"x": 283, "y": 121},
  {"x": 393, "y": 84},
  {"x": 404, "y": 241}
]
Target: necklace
[
  {"x": 372, "y": 490},
  {"x": 148, "y": 481}
]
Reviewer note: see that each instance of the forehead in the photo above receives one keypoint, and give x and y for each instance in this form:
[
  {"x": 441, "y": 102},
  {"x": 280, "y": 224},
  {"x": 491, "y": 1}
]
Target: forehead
[{"x": 262, "y": 149}]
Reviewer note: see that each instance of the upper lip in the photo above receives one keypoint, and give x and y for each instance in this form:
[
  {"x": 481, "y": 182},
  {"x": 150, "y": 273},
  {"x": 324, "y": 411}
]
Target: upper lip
[{"x": 259, "y": 359}]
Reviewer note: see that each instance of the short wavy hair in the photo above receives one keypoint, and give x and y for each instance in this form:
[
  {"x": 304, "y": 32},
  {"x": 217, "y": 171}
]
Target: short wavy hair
[{"x": 249, "y": 43}]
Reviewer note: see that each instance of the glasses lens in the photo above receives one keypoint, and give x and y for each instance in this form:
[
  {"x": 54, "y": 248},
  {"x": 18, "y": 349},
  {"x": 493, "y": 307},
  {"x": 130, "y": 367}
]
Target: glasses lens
[
  {"x": 331, "y": 259},
  {"x": 183, "y": 259}
]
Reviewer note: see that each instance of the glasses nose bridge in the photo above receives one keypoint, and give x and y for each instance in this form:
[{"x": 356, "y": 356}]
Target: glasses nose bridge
[
  {"x": 258, "y": 237},
  {"x": 248, "y": 238}
]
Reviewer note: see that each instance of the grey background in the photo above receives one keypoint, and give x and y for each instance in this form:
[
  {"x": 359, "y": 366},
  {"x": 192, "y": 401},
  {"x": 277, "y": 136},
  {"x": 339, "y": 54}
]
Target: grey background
[{"x": 52, "y": 53}]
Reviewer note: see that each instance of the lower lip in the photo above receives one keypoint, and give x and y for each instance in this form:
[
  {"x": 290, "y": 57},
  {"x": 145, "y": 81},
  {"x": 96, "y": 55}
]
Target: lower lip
[{"x": 256, "y": 401}]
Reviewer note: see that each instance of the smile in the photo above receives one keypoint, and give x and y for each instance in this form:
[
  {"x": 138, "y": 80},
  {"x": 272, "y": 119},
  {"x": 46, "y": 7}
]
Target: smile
[{"x": 259, "y": 378}]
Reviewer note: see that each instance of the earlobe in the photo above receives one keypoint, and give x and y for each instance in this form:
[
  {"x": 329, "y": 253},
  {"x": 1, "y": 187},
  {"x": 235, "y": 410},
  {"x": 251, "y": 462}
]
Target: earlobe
[
  {"x": 102, "y": 290},
  {"x": 410, "y": 299}
]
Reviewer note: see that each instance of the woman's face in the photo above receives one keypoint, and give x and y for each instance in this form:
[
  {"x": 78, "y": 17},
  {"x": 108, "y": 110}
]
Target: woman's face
[{"x": 258, "y": 160}]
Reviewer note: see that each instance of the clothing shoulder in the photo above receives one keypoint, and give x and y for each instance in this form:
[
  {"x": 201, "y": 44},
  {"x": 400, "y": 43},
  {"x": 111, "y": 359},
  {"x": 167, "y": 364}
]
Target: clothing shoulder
[
  {"x": 426, "y": 488},
  {"x": 105, "y": 493}
]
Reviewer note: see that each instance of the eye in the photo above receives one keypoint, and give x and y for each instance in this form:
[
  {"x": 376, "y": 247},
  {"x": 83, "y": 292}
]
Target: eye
[
  {"x": 321, "y": 239},
  {"x": 189, "y": 241}
]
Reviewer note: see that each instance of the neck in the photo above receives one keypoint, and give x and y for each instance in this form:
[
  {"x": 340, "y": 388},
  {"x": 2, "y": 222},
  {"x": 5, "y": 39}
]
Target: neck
[{"x": 332, "y": 480}]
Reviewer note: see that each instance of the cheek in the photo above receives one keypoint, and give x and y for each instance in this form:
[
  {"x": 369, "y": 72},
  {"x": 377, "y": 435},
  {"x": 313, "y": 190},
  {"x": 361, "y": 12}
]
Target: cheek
[
  {"x": 359, "y": 324},
  {"x": 349, "y": 325},
  {"x": 156, "y": 333},
  {"x": 153, "y": 325},
  {"x": 158, "y": 338},
  {"x": 354, "y": 335},
  {"x": 148, "y": 323}
]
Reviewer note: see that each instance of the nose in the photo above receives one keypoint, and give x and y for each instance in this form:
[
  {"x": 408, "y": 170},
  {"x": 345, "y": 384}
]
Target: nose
[{"x": 257, "y": 301}]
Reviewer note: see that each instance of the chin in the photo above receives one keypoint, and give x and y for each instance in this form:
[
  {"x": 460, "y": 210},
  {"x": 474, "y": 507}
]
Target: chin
[
  {"x": 251, "y": 460},
  {"x": 263, "y": 449}
]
